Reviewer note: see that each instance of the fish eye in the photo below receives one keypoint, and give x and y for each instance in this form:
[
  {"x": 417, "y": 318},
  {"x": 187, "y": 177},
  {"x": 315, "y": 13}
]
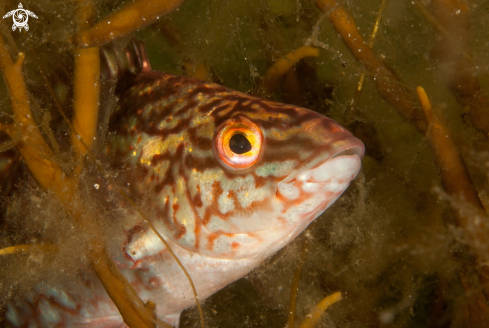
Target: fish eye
[{"x": 237, "y": 144}]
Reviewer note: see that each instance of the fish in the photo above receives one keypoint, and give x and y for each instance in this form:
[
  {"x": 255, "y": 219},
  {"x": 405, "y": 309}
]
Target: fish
[{"x": 227, "y": 179}]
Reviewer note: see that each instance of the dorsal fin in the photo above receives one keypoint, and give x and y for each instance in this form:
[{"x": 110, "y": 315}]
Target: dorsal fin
[
  {"x": 120, "y": 62},
  {"x": 131, "y": 60},
  {"x": 136, "y": 57}
]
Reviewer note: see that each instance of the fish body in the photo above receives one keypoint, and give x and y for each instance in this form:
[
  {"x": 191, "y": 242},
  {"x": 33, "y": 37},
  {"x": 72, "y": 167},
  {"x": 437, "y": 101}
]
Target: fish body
[{"x": 226, "y": 178}]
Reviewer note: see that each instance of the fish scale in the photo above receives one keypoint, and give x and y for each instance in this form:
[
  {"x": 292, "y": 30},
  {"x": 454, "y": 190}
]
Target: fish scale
[{"x": 222, "y": 212}]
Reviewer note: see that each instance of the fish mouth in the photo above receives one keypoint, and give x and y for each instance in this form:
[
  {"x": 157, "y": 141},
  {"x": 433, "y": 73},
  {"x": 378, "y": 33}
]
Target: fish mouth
[
  {"x": 317, "y": 182},
  {"x": 318, "y": 162}
]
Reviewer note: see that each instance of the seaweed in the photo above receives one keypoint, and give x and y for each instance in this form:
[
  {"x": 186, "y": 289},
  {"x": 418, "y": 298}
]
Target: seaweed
[{"x": 406, "y": 244}]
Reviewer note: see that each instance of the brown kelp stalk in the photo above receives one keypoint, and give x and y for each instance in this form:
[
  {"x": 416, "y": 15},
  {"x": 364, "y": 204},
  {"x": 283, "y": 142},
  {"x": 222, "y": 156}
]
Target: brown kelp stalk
[
  {"x": 388, "y": 85},
  {"x": 454, "y": 175},
  {"x": 295, "y": 281},
  {"x": 281, "y": 67},
  {"x": 125, "y": 21},
  {"x": 456, "y": 181},
  {"x": 22, "y": 249},
  {"x": 313, "y": 317},
  {"x": 358, "y": 91},
  {"x": 453, "y": 17},
  {"x": 466, "y": 205},
  {"x": 37, "y": 154},
  {"x": 86, "y": 87}
]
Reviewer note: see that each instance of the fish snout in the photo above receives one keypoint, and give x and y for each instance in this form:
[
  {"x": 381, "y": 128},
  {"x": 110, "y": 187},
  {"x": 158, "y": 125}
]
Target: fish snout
[
  {"x": 344, "y": 148},
  {"x": 315, "y": 184}
]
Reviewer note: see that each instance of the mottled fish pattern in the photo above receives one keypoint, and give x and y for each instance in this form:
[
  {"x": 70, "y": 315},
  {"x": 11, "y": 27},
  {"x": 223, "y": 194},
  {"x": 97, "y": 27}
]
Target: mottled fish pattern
[{"x": 223, "y": 202}]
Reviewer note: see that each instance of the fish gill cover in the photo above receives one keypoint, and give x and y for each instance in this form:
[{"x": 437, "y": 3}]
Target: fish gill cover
[{"x": 399, "y": 244}]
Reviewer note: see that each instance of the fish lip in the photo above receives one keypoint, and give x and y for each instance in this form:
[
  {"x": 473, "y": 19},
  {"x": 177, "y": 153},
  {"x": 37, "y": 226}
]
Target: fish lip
[
  {"x": 348, "y": 147},
  {"x": 336, "y": 148}
]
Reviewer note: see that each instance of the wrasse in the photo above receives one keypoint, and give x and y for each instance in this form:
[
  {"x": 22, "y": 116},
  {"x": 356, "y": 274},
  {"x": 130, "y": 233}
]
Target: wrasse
[{"x": 228, "y": 179}]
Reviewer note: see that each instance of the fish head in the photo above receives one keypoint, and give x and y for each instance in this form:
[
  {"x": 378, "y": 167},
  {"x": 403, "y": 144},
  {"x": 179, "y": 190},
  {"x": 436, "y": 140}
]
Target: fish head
[
  {"x": 276, "y": 168},
  {"x": 233, "y": 176}
]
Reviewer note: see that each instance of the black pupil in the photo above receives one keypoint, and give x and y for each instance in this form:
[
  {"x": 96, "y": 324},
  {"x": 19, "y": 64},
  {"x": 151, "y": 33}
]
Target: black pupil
[{"x": 239, "y": 144}]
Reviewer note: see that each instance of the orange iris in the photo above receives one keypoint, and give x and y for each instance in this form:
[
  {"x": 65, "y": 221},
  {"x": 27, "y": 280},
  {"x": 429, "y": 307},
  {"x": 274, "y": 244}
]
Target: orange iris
[{"x": 238, "y": 144}]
